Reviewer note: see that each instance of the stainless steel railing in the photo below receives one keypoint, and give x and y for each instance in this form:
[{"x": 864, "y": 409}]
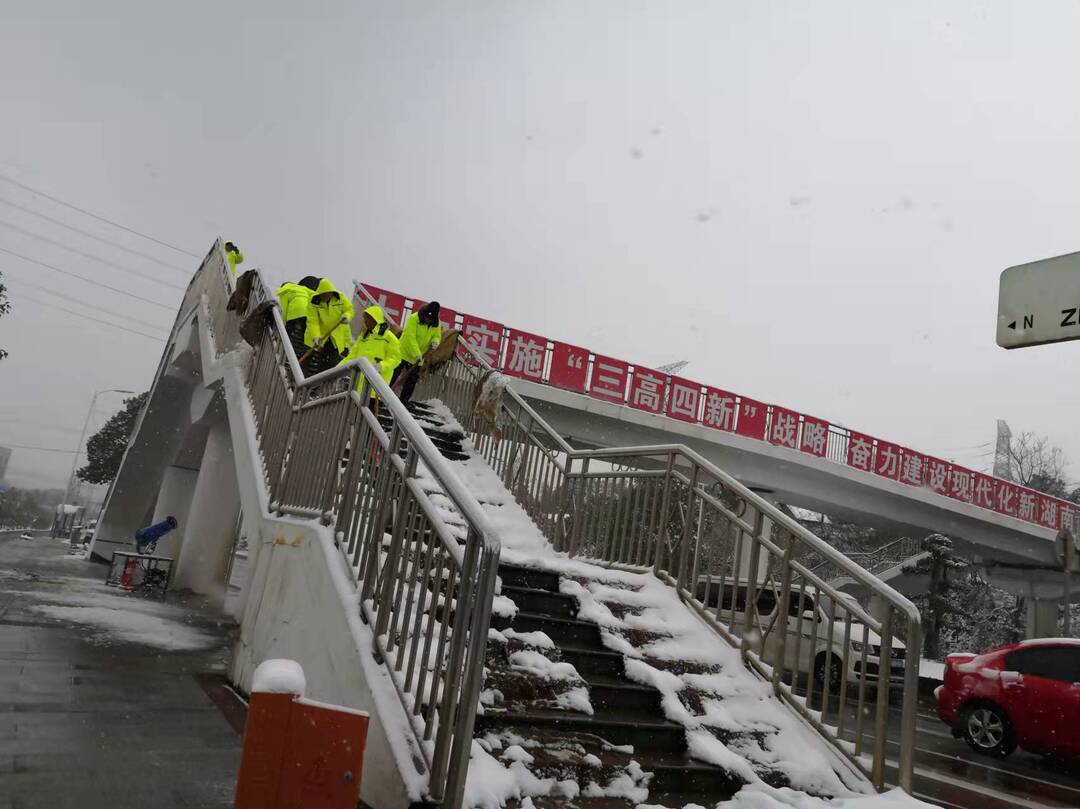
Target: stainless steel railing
[
  {"x": 875, "y": 561},
  {"x": 425, "y": 587},
  {"x": 729, "y": 553}
]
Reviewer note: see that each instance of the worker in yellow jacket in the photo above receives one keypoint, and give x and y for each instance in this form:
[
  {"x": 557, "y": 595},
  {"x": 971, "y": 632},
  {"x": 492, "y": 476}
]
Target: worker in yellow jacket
[
  {"x": 419, "y": 336},
  {"x": 295, "y": 300},
  {"x": 327, "y": 330},
  {"x": 232, "y": 252},
  {"x": 378, "y": 344}
]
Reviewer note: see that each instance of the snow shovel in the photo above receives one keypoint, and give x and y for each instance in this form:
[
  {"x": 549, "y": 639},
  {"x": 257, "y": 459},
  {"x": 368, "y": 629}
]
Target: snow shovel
[{"x": 319, "y": 343}]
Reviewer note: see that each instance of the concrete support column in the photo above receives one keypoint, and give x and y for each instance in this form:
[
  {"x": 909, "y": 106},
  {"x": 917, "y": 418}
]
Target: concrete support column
[
  {"x": 1041, "y": 619},
  {"x": 174, "y": 499},
  {"x": 211, "y": 524}
]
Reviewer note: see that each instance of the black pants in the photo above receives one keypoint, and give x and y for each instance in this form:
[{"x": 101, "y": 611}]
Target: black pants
[
  {"x": 295, "y": 328},
  {"x": 321, "y": 359},
  {"x": 410, "y": 382}
]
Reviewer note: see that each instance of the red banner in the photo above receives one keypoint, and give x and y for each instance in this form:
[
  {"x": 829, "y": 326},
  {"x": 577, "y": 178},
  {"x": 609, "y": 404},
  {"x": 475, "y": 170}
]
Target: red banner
[
  {"x": 684, "y": 399},
  {"x": 860, "y": 451},
  {"x": 961, "y": 483},
  {"x": 982, "y": 490},
  {"x": 815, "y": 436},
  {"x": 913, "y": 468},
  {"x": 784, "y": 428},
  {"x": 392, "y": 304},
  {"x": 1027, "y": 505},
  {"x": 569, "y": 367},
  {"x": 937, "y": 475},
  {"x": 525, "y": 354},
  {"x": 1067, "y": 516},
  {"x": 720, "y": 409},
  {"x": 1006, "y": 496},
  {"x": 609, "y": 379},
  {"x": 887, "y": 460},
  {"x": 647, "y": 390},
  {"x": 752, "y": 417},
  {"x": 483, "y": 335},
  {"x": 1049, "y": 512}
]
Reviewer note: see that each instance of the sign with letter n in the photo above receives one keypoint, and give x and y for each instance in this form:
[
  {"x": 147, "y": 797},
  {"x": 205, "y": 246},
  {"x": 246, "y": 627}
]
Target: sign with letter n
[{"x": 1039, "y": 302}]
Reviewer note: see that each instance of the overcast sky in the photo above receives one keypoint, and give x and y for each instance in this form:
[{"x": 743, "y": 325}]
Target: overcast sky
[{"x": 809, "y": 201}]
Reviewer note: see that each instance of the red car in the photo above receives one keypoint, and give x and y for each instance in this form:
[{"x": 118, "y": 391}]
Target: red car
[{"x": 1026, "y": 694}]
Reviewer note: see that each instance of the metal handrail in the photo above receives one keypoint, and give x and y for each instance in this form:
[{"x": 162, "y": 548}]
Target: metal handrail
[
  {"x": 676, "y": 520},
  {"x": 883, "y": 558},
  {"x": 426, "y": 592}
]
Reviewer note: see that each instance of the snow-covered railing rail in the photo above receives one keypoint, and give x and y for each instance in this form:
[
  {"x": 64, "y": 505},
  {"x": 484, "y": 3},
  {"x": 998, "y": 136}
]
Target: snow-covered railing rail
[
  {"x": 426, "y": 588},
  {"x": 728, "y": 552}
]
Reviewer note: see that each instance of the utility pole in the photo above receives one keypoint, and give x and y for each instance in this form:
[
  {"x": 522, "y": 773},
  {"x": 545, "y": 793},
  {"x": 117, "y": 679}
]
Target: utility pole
[{"x": 82, "y": 437}]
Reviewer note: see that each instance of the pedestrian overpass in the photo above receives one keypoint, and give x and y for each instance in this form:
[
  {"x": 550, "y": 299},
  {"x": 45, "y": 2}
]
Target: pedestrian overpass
[
  {"x": 403, "y": 557},
  {"x": 792, "y": 458}
]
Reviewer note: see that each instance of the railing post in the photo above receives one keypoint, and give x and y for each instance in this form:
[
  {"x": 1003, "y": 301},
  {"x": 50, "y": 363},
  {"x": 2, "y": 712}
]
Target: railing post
[
  {"x": 397, "y": 542},
  {"x": 783, "y": 611},
  {"x": 912, "y": 655},
  {"x": 881, "y": 717},
  {"x": 684, "y": 540},
  {"x": 662, "y": 527},
  {"x": 378, "y": 524},
  {"x": 580, "y": 510},
  {"x": 751, "y": 573}
]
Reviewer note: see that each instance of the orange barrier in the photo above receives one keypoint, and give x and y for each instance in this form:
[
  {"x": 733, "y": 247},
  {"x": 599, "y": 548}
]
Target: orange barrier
[{"x": 300, "y": 754}]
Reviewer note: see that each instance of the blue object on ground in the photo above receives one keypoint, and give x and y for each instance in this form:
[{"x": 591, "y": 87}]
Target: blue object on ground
[{"x": 146, "y": 538}]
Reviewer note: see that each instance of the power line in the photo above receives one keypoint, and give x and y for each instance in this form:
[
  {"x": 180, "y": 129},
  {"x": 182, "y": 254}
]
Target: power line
[
  {"x": 95, "y": 216},
  {"x": 97, "y": 308},
  {"x": 90, "y": 256},
  {"x": 110, "y": 324},
  {"x": 90, "y": 235},
  {"x": 84, "y": 278}
]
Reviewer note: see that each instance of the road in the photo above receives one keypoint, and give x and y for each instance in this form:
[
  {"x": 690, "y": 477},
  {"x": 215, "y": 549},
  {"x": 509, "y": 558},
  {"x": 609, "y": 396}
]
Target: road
[{"x": 948, "y": 773}]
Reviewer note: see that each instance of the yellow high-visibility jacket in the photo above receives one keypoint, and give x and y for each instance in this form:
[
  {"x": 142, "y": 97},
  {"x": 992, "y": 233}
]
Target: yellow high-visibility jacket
[
  {"x": 379, "y": 345},
  {"x": 234, "y": 258},
  {"x": 331, "y": 315},
  {"x": 417, "y": 339},
  {"x": 294, "y": 300}
]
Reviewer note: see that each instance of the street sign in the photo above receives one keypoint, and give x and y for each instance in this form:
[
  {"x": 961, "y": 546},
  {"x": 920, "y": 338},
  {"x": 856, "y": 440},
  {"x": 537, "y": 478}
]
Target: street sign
[{"x": 1039, "y": 302}]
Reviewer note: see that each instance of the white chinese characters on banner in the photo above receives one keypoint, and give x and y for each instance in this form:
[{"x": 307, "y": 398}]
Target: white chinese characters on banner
[
  {"x": 685, "y": 398},
  {"x": 609, "y": 379},
  {"x": 485, "y": 337},
  {"x": 719, "y": 410},
  {"x": 888, "y": 460},
  {"x": 912, "y": 468},
  {"x": 646, "y": 391},
  {"x": 1027, "y": 508},
  {"x": 785, "y": 428},
  {"x": 815, "y": 437},
  {"x": 860, "y": 451},
  {"x": 1048, "y": 512},
  {"x": 525, "y": 355},
  {"x": 982, "y": 491},
  {"x": 937, "y": 475}
]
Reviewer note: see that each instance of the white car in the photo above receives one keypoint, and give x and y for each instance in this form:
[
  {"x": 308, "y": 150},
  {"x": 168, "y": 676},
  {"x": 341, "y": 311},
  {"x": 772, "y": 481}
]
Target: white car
[{"x": 807, "y": 633}]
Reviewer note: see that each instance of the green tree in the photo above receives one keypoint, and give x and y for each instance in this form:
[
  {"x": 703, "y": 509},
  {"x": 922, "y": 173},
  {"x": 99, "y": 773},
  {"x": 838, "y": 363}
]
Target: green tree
[
  {"x": 105, "y": 449},
  {"x": 5, "y": 307}
]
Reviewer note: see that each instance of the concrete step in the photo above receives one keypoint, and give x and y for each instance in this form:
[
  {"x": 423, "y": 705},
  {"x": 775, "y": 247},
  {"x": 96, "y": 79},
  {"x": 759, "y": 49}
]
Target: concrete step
[
  {"x": 642, "y": 730},
  {"x": 616, "y": 693},
  {"x": 518, "y": 576},
  {"x": 564, "y": 631},
  {"x": 541, "y": 602},
  {"x": 587, "y": 661}
]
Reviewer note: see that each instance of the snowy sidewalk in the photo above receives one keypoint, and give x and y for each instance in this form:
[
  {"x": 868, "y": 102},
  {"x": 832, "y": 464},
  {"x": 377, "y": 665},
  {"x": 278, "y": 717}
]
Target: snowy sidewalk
[{"x": 100, "y": 697}]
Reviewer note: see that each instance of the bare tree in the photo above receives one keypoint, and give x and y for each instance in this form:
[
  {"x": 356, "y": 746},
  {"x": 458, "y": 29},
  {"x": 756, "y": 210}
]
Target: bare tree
[
  {"x": 1035, "y": 463},
  {"x": 5, "y": 307}
]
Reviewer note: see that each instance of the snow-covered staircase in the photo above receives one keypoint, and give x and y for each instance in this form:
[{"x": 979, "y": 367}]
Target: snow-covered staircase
[{"x": 601, "y": 688}]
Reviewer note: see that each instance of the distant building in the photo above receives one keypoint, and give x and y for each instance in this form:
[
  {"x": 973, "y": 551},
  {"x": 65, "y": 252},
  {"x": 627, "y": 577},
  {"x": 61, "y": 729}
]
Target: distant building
[{"x": 5, "y": 456}]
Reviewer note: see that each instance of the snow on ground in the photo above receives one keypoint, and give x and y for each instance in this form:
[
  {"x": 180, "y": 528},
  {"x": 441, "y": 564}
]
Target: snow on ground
[
  {"x": 932, "y": 669},
  {"x": 734, "y": 698},
  {"x": 130, "y": 625}
]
